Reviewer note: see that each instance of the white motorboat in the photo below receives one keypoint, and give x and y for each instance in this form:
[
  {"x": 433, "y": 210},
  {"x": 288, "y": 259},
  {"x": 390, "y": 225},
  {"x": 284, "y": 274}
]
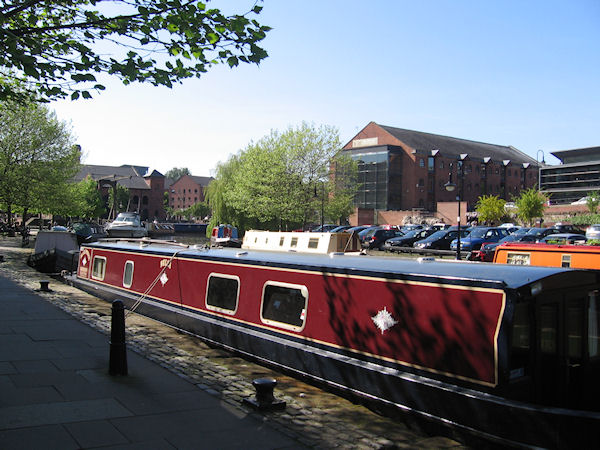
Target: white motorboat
[{"x": 127, "y": 225}]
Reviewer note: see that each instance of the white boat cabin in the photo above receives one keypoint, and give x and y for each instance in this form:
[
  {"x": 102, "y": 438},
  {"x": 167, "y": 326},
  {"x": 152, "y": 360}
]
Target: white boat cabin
[{"x": 306, "y": 242}]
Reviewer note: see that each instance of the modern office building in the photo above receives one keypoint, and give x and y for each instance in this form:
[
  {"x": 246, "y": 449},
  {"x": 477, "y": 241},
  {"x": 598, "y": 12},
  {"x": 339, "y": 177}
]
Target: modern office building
[
  {"x": 408, "y": 170},
  {"x": 578, "y": 174}
]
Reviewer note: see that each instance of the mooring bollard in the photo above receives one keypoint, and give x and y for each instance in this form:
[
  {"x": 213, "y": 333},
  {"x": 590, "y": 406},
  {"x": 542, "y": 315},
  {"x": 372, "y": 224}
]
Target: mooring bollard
[
  {"x": 118, "y": 351},
  {"x": 264, "y": 399},
  {"x": 45, "y": 285}
]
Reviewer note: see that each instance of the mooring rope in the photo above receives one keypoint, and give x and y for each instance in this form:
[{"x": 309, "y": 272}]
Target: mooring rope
[{"x": 140, "y": 300}]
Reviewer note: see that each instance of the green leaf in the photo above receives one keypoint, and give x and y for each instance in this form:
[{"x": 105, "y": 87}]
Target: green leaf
[{"x": 75, "y": 95}]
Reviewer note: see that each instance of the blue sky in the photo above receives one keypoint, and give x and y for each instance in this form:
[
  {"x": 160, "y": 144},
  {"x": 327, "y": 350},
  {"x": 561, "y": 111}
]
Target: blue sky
[{"x": 521, "y": 73}]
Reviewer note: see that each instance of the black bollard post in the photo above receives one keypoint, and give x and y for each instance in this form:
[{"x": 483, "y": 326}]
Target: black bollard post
[
  {"x": 118, "y": 351},
  {"x": 264, "y": 399}
]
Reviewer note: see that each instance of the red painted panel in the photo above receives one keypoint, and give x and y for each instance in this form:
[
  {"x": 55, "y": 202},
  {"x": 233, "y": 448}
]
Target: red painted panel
[{"x": 445, "y": 329}]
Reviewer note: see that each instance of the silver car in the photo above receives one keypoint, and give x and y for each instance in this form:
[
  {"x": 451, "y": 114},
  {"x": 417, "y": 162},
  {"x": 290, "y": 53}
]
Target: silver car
[{"x": 593, "y": 232}]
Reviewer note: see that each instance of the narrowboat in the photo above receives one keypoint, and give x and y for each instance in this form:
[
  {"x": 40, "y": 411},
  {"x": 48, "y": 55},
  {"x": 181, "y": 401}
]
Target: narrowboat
[
  {"x": 510, "y": 354},
  {"x": 552, "y": 255},
  {"x": 225, "y": 236}
]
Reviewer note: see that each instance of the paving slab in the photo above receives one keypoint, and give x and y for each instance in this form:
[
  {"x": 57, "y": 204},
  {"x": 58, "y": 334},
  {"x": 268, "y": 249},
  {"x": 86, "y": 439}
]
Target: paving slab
[{"x": 55, "y": 391}]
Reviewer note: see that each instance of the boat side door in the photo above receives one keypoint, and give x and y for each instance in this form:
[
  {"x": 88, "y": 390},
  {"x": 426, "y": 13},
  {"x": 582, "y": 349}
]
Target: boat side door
[{"x": 560, "y": 331}]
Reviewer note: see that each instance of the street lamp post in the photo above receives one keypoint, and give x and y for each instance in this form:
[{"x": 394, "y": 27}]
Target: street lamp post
[{"x": 450, "y": 187}]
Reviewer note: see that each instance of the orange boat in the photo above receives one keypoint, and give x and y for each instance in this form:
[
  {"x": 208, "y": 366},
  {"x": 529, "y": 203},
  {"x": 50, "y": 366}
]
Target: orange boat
[{"x": 551, "y": 255}]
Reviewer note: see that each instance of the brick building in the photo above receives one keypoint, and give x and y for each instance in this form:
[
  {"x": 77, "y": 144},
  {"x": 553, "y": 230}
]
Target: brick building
[
  {"x": 187, "y": 191},
  {"x": 146, "y": 191},
  {"x": 407, "y": 170}
]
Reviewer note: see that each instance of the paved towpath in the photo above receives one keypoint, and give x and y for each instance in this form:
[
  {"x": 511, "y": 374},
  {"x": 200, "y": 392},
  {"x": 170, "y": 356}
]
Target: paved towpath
[{"x": 56, "y": 393}]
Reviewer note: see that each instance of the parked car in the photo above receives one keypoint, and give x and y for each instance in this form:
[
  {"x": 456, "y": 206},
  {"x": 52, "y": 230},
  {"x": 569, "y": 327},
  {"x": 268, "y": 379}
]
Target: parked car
[
  {"x": 324, "y": 228},
  {"x": 376, "y": 237},
  {"x": 478, "y": 236},
  {"x": 521, "y": 231},
  {"x": 357, "y": 229},
  {"x": 440, "y": 240},
  {"x": 406, "y": 240},
  {"x": 339, "y": 229},
  {"x": 593, "y": 231},
  {"x": 410, "y": 227},
  {"x": 439, "y": 226},
  {"x": 566, "y": 228},
  {"x": 536, "y": 233},
  {"x": 487, "y": 249},
  {"x": 564, "y": 238}
]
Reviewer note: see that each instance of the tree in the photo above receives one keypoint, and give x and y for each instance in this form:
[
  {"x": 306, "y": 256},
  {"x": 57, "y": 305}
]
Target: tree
[
  {"x": 122, "y": 202},
  {"x": 37, "y": 159},
  {"x": 593, "y": 200},
  {"x": 530, "y": 204},
  {"x": 91, "y": 204},
  {"x": 57, "y": 48},
  {"x": 279, "y": 182},
  {"x": 176, "y": 173},
  {"x": 490, "y": 208}
]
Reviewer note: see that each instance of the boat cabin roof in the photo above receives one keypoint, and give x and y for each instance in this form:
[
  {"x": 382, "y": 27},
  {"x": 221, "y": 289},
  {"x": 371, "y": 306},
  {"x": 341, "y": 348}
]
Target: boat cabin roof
[
  {"x": 305, "y": 242},
  {"x": 422, "y": 269}
]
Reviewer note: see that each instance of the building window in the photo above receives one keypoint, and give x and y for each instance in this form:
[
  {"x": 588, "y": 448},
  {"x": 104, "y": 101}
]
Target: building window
[
  {"x": 222, "y": 293},
  {"x": 431, "y": 164},
  {"x": 128, "y": 274},
  {"x": 421, "y": 162},
  {"x": 144, "y": 200},
  {"x": 421, "y": 182},
  {"x": 99, "y": 268},
  {"x": 441, "y": 164},
  {"x": 284, "y": 305}
]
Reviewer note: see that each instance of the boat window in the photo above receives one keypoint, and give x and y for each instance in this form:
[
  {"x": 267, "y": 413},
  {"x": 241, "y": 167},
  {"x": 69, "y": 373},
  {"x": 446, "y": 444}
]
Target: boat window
[
  {"x": 222, "y": 293},
  {"x": 566, "y": 261},
  {"x": 313, "y": 243},
  {"x": 548, "y": 326},
  {"x": 284, "y": 305},
  {"x": 519, "y": 259},
  {"x": 99, "y": 267},
  {"x": 519, "y": 363},
  {"x": 281, "y": 239},
  {"x": 294, "y": 242},
  {"x": 574, "y": 329},
  {"x": 593, "y": 325},
  {"x": 128, "y": 274}
]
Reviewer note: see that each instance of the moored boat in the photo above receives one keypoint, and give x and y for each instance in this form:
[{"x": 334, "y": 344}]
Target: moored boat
[
  {"x": 551, "y": 255},
  {"x": 55, "y": 251},
  {"x": 225, "y": 236},
  {"x": 508, "y": 353},
  {"x": 127, "y": 225}
]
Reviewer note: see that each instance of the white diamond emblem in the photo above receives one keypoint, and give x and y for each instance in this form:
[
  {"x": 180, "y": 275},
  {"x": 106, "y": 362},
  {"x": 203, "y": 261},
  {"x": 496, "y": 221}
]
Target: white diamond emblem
[
  {"x": 164, "y": 278},
  {"x": 383, "y": 320}
]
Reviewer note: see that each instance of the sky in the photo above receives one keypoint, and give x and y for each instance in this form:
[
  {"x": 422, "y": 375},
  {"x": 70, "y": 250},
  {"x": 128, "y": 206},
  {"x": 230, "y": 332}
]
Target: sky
[{"x": 520, "y": 73}]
